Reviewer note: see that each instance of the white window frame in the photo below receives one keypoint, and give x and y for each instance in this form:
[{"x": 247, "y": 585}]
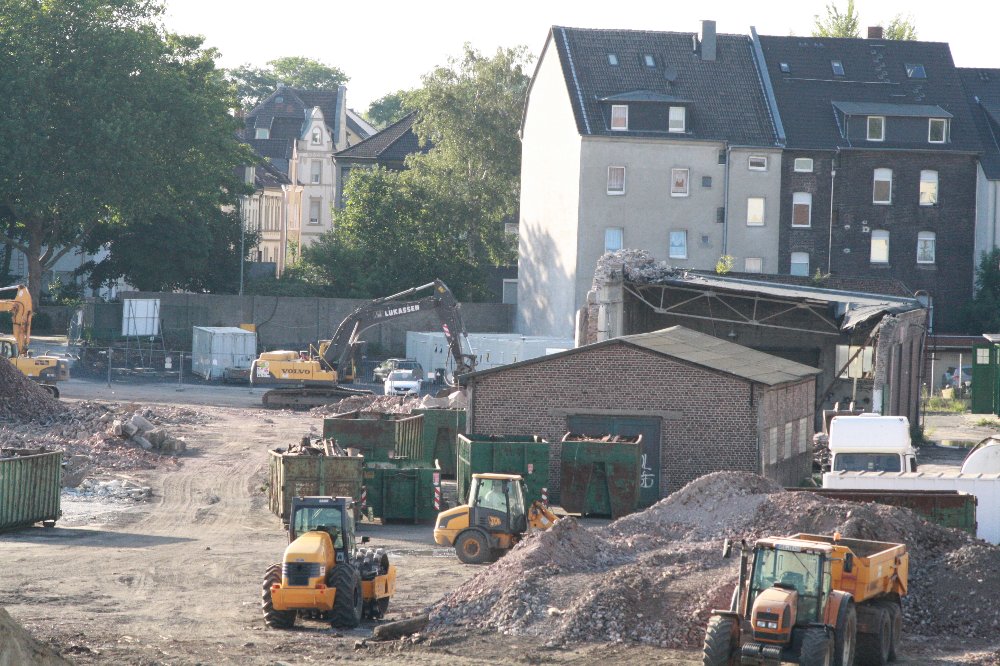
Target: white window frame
[
  {"x": 924, "y": 237},
  {"x": 793, "y": 263},
  {"x": 879, "y": 235},
  {"x": 837, "y": 65},
  {"x": 675, "y": 191},
  {"x": 318, "y": 204},
  {"x": 761, "y": 163},
  {"x": 262, "y": 133},
  {"x": 317, "y": 136},
  {"x": 619, "y": 113},
  {"x": 503, "y": 291},
  {"x": 868, "y": 124},
  {"x": 682, "y": 254},
  {"x": 928, "y": 176},
  {"x": 802, "y": 161},
  {"x": 886, "y": 177},
  {"x": 944, "y": 130},
  {"x": 677, "y": 119},
  {"x": 751, "y": 202},
  {"x": 753, "y": 265},
  {"x": 616, "y": 192},
  {"x": 316, "y": 172},
  {"x": 610, "y": 232},
  {"x": 648, "y": 60},
  {"x": 802, "y": 199}
]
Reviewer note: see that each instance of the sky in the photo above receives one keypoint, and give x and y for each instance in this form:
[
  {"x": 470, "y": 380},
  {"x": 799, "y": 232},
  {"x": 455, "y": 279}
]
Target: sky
[{"x": 389, "y": 45}]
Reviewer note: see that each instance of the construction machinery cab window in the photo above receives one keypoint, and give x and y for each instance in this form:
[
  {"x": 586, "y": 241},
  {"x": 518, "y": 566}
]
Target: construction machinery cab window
[
  {"x": 8, "y": 349},
  {"x": 792, "y": 570},
  {"x": 867, "y": 462},
  {"x": 500, "y": 495},
  {"x": 329, "y": 519}
]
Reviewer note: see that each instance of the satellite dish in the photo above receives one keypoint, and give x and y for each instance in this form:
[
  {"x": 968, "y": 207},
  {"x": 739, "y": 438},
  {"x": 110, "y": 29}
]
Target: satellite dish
[{"x": 669, "y": 73}]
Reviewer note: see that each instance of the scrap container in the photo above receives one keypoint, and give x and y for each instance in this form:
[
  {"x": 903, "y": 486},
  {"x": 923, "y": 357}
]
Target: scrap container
[
  {"x": 310, "y": 476},
  {"x": 527, "y": 455},
  {"x": 381, "y": 437},
  {"x": 600, "y": 476},
  {"x": 441, "y": 430},
  {"x": 401, "y": 493},
  {"x": 30, "y": 482}
]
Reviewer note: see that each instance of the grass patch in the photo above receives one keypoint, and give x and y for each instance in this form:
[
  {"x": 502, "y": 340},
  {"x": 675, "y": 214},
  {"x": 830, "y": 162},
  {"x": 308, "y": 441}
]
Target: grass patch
[
  {"x": 940, "y": 405},
  {"x": 988, "y": 423}
]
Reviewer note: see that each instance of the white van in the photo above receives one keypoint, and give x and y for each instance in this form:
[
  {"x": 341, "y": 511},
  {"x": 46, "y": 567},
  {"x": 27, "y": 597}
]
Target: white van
[{"x": 871, "y": 443}]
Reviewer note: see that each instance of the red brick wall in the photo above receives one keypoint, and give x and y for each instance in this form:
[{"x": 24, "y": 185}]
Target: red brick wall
[{"x": 716, "y": 427}]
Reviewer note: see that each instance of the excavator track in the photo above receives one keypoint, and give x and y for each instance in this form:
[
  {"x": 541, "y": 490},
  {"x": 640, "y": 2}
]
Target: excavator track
[{"x": 306, "y": 398}]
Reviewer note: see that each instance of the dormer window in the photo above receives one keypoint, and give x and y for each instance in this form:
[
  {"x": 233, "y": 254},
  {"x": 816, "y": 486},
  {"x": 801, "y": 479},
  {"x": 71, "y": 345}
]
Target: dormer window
[
  {"x": 838, "y": 67},
  {"x": 785, "y": 68},
  {"x": 678, "y": 119},
  {"x": 876, "y": 128},
  {"x": 915, "y": 71},
  {"x": 619, "y": 117},
  {"x": 317, "y": 136},
  {"x": 612, "y": 59},
  {"x": 262, "y": 133},
  {"x": 937, "y": 130},
  {"x": 649, "y": 60}
]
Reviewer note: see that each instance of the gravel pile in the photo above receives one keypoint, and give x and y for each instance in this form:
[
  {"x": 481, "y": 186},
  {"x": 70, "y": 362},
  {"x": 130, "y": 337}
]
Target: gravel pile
[
  {"x": 22, "y": 399},
  {"x": 654, "y": 576}
]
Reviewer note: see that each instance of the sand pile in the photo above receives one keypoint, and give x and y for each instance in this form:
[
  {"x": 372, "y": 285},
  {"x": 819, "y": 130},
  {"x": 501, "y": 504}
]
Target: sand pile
[{"x": 22, "y": 399}]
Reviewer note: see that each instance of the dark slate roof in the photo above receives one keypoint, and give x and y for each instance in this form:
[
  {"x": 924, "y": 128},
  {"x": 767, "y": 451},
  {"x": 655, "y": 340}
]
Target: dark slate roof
[
  {"x": 284, "y": 113},
  {"x": 982, "y": 87},
  {"x": 268, "y": 175},
  {"x": 390, "y": 145},
  {"x": 897, "y": 110},
  {"x": 875, "y": 74},
  {"x": 726, "y": 95}
]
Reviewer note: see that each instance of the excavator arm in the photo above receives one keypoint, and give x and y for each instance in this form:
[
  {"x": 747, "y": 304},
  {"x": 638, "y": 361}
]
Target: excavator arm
[{"x": 21, "y": 311}]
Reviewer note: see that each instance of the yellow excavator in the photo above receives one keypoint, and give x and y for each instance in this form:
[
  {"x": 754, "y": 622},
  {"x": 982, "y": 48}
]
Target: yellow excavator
[
  {"x": 46, "y": 370},
  {"x": 323, "y": 574},
  {"x": 493, "y": 521}
]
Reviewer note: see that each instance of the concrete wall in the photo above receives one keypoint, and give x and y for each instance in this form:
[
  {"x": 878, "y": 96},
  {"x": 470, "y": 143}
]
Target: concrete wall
[
  {"x": 987, "y": 214},
  {"x": 744, "y": 241}
]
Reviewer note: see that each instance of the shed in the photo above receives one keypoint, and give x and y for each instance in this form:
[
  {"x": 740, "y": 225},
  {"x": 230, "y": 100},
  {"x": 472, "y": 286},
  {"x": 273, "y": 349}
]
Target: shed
[
  {"x": 701, "y": 404},
  {"x": 215, "y": 348}
]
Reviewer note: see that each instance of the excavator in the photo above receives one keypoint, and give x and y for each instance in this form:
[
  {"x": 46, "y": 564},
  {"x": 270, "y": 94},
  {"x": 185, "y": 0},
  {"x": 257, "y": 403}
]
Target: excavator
[
  {"x": 46, "y": 370},
  {"x": 493, "y": 521},
  {"x": 316, "y": 377}
]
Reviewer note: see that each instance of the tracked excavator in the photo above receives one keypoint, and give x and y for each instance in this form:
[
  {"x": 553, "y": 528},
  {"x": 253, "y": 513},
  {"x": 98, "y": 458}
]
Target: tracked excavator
[
  {"x": 316, "y": 377},
  {"x": 44, "y": 369}
]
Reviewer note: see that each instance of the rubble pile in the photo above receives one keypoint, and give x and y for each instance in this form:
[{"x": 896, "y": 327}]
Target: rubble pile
[
  {"x": 392, "y": 404},
  {"x": 17, "y": 646},
  {"x": 119, "y": 490},
  {"x": 22, "y": 399},
  {"x": 654, "y": 576},
  {"x": 632, "y": 265}
]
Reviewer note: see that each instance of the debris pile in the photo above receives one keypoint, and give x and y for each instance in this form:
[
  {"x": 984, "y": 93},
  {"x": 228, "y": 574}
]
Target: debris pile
[
  {"x": 392, "y": 404},
  {"x": 22, "y": 399},
  {"x": 140, "y": 430},
  {"x": 120, "y": 490},
  {"x": 654, "y": 576},
  {"x": 17, "y": 646},
  {"x": 632, "y": 265}
]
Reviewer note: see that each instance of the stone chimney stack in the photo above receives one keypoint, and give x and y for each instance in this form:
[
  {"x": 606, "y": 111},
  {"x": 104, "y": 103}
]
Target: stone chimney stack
[
  {"x": 708, "y": 40},
  {"x": 875, "y": 32}
]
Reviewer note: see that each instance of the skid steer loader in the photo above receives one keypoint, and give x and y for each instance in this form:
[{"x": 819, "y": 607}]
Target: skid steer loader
[{"x": 323, "y": 575}]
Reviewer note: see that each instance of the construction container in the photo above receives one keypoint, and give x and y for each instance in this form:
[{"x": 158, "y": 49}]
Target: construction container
[
  {"x": 441, "y": 430},
  {"x": 401, "y": 493},
  {"x": 380, "y": 437},
  {"x": 310, "y": 476},
  {"x": 527, "y": 455},
  {"x": 216, "y": 348},
  {"x": 600, "y": 476},
  {"x": 29, "y": 487},
  {"x": 948, "y": 508}
]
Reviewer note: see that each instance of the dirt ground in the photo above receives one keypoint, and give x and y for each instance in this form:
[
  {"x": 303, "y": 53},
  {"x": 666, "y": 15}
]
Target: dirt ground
[{"x": 177, "y": 580}]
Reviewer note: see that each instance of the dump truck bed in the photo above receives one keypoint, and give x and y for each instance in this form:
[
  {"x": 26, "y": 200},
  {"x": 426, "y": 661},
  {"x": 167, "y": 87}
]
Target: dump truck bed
[{"x": 879, "y": 567}]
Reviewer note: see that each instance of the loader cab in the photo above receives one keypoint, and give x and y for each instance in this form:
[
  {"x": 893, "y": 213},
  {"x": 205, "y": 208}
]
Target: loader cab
[
  {"x": 333, "y": 515},
  {"x": 496, "y": 503},
  {"x": 789, "y": 586}
]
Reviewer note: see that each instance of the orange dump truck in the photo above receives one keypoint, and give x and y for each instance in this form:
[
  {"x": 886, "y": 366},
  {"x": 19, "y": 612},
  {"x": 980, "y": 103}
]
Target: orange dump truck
[{"x": 814, "y": 600}]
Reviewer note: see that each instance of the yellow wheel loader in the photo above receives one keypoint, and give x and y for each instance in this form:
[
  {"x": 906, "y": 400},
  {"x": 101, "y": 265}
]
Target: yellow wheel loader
[
  {"x": 323, "y": 575},
  {"x": 493, "y": 521},
  {"x": 812, "y": 600},
  {"x": 46, "y": 370}
]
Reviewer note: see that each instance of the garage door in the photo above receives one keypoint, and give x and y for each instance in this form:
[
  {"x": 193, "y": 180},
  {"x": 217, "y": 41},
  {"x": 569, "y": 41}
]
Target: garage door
[{"x": 629, "y": 426}]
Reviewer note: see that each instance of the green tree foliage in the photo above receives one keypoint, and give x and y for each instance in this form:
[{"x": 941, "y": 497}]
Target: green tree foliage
[
  {"x": 253, "y": 84},
  {"x": 387, "y": 109},
  {"x": 982, "y": 314},
  {"x": 901, "y": 28},
  {"x": 848, "y": 24},
  {"x": 108, "y": 123}
]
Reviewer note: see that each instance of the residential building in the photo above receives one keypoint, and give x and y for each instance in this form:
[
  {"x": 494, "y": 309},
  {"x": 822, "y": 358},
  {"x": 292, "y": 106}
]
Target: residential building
[
  {"x": 273, "y": 212},
  {"x": 358, "y": 129},
  {"x": 982, "y": 89},
  {"x": 638, "y": 139},
  {"x": 387, "y": 148}
]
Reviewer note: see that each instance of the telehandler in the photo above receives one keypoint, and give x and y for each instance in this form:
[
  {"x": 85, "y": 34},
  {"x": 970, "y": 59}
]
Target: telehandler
[
  {"x": 493, "y": 521},
  {"x": 813, "y": 600},
  {"x": 323, "y": 575}
]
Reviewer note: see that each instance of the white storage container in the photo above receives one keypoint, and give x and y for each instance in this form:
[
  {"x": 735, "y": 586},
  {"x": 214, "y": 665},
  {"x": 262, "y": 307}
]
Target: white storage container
[
  {"x": 215, "y": 348},
  {"x": 491, "y": 349}
]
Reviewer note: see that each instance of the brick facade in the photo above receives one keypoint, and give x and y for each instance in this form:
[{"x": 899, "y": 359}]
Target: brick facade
[{"x": 710, "y": 421}]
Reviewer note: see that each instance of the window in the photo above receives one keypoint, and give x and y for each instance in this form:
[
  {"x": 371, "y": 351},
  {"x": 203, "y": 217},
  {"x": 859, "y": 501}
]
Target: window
[
  {"x": 838, "y": 67},
  {"x": 800, "y": 263},
  {"x": 915, "y": 71},
  {"x": 785, "y": 69},
  {"x": 925, "y": 247},
  {"x": 616, "y": 180},
  {"x": 880, "y": 247},
  {"x": 757, "y": 163},
  {"x": 789, "y": 439},
  {"x": 803, "y": 165},
  {"x": 803, "y": 435},
  {"x": 755, "y": 211},
  {"x": 882, "y": 190},
  {"x": 612, "y": 59},
  {"x": 262, "y": 133},
  {"x": 619, "y": 117},
  {"x": 316, "y": 175},
  {"x": 937, "y": 130},
  {"x": 509, "y": 292},
  {"x": 982, "y": 356},
  {"x": 314, "y": 207},
  {"x": 876, "y": 128},
  {"x": 317, "y": 136},
  {"x": 677, "y": 123},
  {"x": 753, "y": 265},
  {"x": 649, "y": 60},
  {"x": 613, "y": 238},
  {"x": 802, "y": 209},
  {"x": 722, "y": 157},
  {"x": 678, "y": 244},
  {"x": 706, "y": 181},
  {"x": 928, "y": 188},
  {"x": 678, "y": 182}
]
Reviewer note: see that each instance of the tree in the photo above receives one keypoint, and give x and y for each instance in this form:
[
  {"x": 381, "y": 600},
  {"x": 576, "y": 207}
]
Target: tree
[
  {"x": 901, "y": 29},
  {"x": 838, "y": 25},
  {"x": 254, "y": 84},
  {"x": 108, "y": 124},
  {"x": 982, "y": 314},
  {"x": 387, "y": 109}
]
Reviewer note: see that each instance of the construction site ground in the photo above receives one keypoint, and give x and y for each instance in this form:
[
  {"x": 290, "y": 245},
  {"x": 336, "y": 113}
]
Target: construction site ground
[{"x": 176, "y": 580}]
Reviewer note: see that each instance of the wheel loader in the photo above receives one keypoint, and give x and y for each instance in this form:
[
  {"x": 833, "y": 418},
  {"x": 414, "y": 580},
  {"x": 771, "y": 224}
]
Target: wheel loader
[
  {"x": 323, "y": 575},
  {"x": 813, "y": 600},
  {"x": 493, "y": 521}
]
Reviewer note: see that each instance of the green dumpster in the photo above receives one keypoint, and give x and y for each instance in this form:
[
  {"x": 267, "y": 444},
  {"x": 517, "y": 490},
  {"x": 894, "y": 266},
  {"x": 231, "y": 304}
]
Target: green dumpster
[
  {"x": 441, "y": 430},
  {"x": 401, "y": 494},
  {"x": 381, "y": 437},
  {"x": 29, "y": 487},
  {"x": 600, "y": 476},
  {"x": 527, "y": 455},
  {"x": 293, "y": 475}
]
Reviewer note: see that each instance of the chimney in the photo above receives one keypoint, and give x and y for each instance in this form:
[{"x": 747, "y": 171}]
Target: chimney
[
  {"x": 708, "y": 40},
  {"x": 874, "y": 32}
]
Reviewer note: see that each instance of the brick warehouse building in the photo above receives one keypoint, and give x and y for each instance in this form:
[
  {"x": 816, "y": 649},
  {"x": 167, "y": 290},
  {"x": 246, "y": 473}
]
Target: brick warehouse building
[{"x": 702, "y": 405}]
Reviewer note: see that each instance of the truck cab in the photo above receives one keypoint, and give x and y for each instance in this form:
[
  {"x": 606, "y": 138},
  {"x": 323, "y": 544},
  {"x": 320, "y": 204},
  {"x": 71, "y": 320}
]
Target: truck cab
[{"x": 871, "y": 443}]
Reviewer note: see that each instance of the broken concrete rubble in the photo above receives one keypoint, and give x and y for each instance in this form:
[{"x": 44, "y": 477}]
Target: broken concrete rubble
[{"x": 391, "y": 404}]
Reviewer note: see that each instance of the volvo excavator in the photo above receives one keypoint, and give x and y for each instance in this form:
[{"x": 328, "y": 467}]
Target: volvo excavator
[
  {"x": 316, "y": 377},
  {"x": 46, "y": 370}
]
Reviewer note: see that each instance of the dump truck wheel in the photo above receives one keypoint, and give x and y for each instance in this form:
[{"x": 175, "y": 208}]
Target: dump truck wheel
[
  {"x": 472, "y": 548},
  {"x": 845, "y": 643},
  {"x": 895, "y": 627},
  {"x": 817, "y": 648},
  {"x": 275, "y": 619},
  {"x": 720, "y": 642},
  {"x": 347, "y": 604},
  {"x": 873, "y": 649}
]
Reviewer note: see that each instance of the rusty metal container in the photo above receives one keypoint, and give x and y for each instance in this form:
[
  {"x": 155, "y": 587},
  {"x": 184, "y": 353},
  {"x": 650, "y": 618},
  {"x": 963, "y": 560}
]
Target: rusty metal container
[
  {"x": 600, "y": 475},
  {"x": 29, "y": 487},
  {"x": 310, "y": 475},
  {"x": 527, "y": 455},
  {"x": 948, "y": 508},
  {"x": 401, "y": 493},
  {"x": 380, "y": 437},
  {"x": 441, "y": 430}
]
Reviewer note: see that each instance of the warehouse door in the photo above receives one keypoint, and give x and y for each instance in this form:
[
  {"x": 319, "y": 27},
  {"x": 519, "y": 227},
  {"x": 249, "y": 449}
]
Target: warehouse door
[{"x": 629, "y": 426}]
